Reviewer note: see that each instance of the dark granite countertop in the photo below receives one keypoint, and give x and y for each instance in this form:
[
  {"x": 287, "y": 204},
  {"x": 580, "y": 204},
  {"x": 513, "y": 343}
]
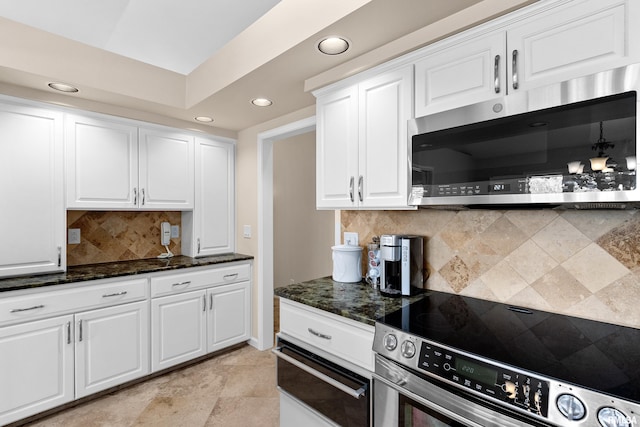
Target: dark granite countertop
[
  {"x": 115, "y": 269},
  {"x": 357, "y": 301}
]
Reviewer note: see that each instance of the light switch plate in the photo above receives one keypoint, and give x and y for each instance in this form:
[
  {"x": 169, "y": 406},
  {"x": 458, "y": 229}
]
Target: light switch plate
[
  {"x": 175, "y": 231},
  {"x": 246, "y": 231},
  {"x": 73, "y": 236},
  {"x": 350, "y": 238}
]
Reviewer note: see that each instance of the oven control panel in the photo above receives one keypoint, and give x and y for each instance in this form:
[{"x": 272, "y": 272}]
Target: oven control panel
[{"x": 528, "y": 393}]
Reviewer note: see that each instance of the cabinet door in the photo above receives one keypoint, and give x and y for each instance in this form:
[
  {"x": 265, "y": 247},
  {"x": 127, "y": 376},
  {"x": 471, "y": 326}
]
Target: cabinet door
[
  {"x": 461, "y": 74},
  {"x": 337, "y": 149},
  {"x": 36, "y": 367},
  {"x": 112, "y": 346},
  {"x": 574, "y": 40},
  {"x": 384, "y": 108},
  {"x": 229, "y": 317},
  {"x": 102, "y": 164},
  {"x": 31, "y": 190},
  {"x": 178, "y": 329},
  {"x": 214, "y": 214},
  {"x": 166, "y": 170}
]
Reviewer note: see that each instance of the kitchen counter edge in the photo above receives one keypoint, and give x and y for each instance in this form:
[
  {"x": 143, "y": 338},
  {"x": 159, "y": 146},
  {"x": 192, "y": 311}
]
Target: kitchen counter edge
[
  {"x": 356, "y": 301},
  {"x": 109, "y": 270}
]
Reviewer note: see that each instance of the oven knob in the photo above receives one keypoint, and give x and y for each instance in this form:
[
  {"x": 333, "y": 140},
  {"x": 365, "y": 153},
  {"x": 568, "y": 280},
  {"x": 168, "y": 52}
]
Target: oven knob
[
  {"x": 408, "y": 349},
  {"x": 571, "y": 407},
  {"x": 611, "y": 417},
  {"x": 390, "y": 342}
]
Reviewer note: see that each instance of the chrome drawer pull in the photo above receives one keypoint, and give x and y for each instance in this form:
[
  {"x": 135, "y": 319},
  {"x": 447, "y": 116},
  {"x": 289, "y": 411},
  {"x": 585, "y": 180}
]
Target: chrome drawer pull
[
  {"x": 117, "y": 294},
  {"x": 496, "y": 74},
  {"x": 18, "y": 310},
  {"x": 357, "y": 394},
  {"x": 230, "y": 276},
  {"x": 514, "y": 66},
  {"x": 188, "y": 282},
  {"x": 319, "y": 334}
]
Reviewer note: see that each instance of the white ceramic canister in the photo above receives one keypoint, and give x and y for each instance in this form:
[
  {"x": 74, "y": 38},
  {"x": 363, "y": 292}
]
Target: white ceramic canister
[{"x": 347, "y": 263}]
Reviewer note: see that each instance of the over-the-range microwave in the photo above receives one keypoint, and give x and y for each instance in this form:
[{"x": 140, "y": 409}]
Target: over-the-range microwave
[{"x": 571, "y": 144}]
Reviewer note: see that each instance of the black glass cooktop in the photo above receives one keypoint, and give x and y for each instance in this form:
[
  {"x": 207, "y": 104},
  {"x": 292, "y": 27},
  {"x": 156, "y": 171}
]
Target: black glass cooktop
[{"x": 600, "y": 356}]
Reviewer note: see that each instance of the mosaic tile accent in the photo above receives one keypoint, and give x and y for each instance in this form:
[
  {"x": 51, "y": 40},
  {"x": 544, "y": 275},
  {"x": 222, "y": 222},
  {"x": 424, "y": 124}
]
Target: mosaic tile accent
[
  {"x": 581, "y": 263},
  {"x": 119, "y": 236}
]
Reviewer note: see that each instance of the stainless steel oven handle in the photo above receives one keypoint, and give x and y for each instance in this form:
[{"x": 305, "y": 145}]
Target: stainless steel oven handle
[
  {"x": 319, "y": 334},
  {"x": 357, "y": 394}
]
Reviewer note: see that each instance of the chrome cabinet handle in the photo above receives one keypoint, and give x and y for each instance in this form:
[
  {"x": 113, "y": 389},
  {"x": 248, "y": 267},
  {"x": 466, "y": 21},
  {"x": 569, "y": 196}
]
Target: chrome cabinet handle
[
  {"x": 496, "y": 74},
  {"x": 360, "y": 182},
  {"x": 59, "y": 256},
  {"x": 68, "y": 332},
  {"x": 143, "y": 197},
  {"x": 204, "y": 303},
  {"x": 514, "y": 66},
  {"x": 357, "y": 394},
  {"x": 80, "y": 331},
  {"x": 135, "y": 196},
  {"x": 198, "y": 245},
  {"x": 18, "y": 310},
  {"x": 230, "y": 276},
  {"x": 351, "y": 181},
  {"x": 210, "y": 301},
  {"x": 319, "y": 334},
  {"x": 188, "y": 282},
  {"x": 117, "y": 294}
]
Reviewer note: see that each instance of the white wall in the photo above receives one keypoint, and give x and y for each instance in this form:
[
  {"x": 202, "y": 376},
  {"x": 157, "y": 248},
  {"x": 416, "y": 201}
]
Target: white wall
[{"x": 303, "y": 236}]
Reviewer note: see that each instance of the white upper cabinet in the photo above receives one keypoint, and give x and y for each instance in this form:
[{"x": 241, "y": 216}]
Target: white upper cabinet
[
  {"x": 32, "y": 190},
  {"x": 209, "y": 229},
  {"x": 462, "y": 74},
  {"x": 361, "y": 147},
  {"x": 116, "y": 166},
  {"x": 548, "y": 44}
]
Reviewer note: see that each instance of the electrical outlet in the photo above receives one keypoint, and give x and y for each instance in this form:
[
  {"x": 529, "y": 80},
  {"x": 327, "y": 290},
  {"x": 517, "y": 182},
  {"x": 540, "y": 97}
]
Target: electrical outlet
[
  {"x": 350, "y": 238},
  {"x": 73, "y": 236},
  {"x": 246, "y": 231},
  {"x": 175, "y": 231}
]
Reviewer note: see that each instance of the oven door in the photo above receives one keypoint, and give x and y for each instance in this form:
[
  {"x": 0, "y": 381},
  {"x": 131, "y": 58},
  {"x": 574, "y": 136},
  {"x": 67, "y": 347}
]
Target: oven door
[
  {"x": 326, "y": 387},
  {"x": 402, "y": 398}
]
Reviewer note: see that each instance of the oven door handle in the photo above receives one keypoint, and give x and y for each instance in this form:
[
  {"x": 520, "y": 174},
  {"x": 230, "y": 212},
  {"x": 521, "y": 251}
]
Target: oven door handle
[{"x": 357, "y": 394}]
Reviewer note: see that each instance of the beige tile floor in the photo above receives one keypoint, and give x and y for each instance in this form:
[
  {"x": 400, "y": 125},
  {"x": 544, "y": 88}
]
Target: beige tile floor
[{"x": 236, "y": 388}]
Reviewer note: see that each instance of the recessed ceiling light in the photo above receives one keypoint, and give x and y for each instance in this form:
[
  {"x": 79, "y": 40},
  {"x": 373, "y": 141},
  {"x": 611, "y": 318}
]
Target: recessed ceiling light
[
  {"x": 63, "y": 87},
  {"x": 333, "y": 45},
  {"x": 204, "y": 119},
  {"x": 261, "y": 102}
]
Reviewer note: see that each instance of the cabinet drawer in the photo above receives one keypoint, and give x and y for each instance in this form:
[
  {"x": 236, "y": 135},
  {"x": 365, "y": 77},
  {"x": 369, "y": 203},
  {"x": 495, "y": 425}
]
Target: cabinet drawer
[
  {"x": 202, "y": 278},
  {"x": 85, "y": 296},
  {"x": 345, "y": 338}
]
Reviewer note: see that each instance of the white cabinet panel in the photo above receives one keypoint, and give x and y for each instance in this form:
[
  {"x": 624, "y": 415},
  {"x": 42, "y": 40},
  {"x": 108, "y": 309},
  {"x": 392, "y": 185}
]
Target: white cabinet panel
[
  {"x": 210, "y": 228},
  {"x": 462, "y": 74},
  {"x": 166, "y": 170},
  {"x": 36, "y": 367},
  {"x": 337, "y": 149},
  {"x": 361, "y": 143},
  {"x": 32, "y": 191},
  {"x": 115, "y": 165},
  {"x": 112, "y": 346},
  {"x": 229, "y": 315},
  {"x": 102, "y": 163},
  {"x": 178, "y": 328}
]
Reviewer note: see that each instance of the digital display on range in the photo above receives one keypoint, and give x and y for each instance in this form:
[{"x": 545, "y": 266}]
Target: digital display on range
[
  {"x": 476, "y": 372},
  {"x": 500, "y": 188}
]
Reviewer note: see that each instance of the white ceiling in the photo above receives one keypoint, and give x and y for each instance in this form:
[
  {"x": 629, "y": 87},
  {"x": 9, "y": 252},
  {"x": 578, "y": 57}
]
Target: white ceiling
[
  {"x": 170, "y": 34},
  {"x": 169, "y": 61}
]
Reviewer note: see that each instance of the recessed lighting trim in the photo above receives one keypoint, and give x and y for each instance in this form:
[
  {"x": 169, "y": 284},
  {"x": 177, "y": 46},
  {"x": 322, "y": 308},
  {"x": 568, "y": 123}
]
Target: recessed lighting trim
[
  {"x": 203, "y": 119},
  {"x": 333, "y": 45},
  {"x": 261, "y": 102},
  {"x": 63, "y": 87}
]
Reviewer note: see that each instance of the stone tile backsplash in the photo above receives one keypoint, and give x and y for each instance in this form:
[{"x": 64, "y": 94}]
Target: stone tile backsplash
[
  {"x": 581, "y": 263},
  {"x": 119, "y": 236}
]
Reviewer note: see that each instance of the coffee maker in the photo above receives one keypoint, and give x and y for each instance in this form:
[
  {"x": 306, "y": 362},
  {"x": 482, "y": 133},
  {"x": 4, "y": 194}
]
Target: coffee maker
[{"x": 401, "y": 265}]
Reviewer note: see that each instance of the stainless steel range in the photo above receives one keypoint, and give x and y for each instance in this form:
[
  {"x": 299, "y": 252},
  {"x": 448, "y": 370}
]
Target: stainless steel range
[{"x": 460, "y": 361}]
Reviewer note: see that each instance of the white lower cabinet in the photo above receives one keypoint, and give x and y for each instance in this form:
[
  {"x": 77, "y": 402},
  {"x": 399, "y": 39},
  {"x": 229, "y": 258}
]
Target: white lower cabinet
[
  {"x": 205, "y": 311},
  {"x": 36, "y": 367},
  {"x": 112, "y": 346},
  {"x": 179, "y": 328}
]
